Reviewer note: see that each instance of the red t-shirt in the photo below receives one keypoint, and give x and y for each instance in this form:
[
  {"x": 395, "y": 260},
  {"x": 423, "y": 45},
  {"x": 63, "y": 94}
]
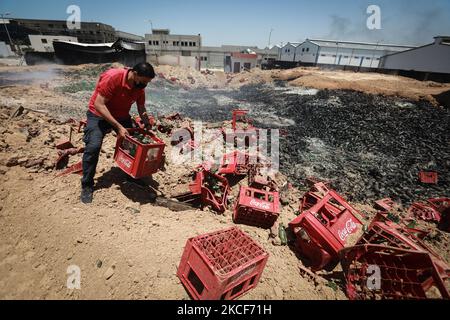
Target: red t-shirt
[{"x": 113, "y": 86}]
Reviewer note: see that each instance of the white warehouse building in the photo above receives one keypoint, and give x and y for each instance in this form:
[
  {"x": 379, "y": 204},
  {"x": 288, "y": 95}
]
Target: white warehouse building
[
  {"x": 340, "y": 53},
  {"x": 431, "y": 58}
]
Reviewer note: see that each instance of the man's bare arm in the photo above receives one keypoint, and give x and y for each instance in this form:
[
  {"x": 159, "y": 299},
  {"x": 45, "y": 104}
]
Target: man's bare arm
[
  {"x": 143, "y": 114},
  {"x": 100, "y": 106}
]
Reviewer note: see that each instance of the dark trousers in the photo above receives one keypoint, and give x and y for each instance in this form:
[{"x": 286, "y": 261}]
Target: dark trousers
[{"x": 95, "y": 131}]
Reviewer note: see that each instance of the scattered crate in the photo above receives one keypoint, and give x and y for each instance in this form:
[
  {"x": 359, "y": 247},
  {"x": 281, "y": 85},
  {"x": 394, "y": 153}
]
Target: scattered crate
[
  {"x": 257, "y": 208},
  {"x": 428, "y": 177},
  {"x": 330, "y": 225},
  {"x": 235, "y": 163},
  {"x": 138, "y": 159},
  {"x": 221, "y": 265},
  {"x": 402, "y": 273}
]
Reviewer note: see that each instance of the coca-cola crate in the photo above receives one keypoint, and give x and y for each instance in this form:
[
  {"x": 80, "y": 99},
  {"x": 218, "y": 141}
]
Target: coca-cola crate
[
  {"x": 386, "y": 204},
  {"x": 330, "y": 225},
  {"x": 222, "y": 265},
  {"x": 257, "y": 208},
  {"x": 213, "y": 189},
  {"x": 236, "y": 163},
  {"x": 136, "y": 158},
  {"x": 428, "y": 177},
  {"x": 380, "y": 272}
]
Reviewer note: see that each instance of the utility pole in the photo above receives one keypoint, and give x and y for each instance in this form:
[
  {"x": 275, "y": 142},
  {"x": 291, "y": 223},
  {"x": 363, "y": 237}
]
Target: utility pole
[
  {"x": 373, "y": 56},
  {"x": 268, "y": 46}
]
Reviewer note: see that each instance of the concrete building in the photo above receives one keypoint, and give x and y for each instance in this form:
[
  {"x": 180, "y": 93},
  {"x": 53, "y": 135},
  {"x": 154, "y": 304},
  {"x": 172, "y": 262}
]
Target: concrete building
[
  {"x": 431, "y": 58},
  {"x": 341, "y": 53},
  {"x": 121, "y": 35},
  {"x": 160, "y": 43},
  {"x": 44, "y": 43},
  {"x": 20, "y": 29},
  {"x": 236, "y": 62},
  {"x": 187, "y": 50}
]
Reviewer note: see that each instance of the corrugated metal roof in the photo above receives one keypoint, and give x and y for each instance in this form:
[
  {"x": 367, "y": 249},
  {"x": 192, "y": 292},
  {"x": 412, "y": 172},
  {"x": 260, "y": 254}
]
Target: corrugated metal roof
[{"x": 359, "y": 45}]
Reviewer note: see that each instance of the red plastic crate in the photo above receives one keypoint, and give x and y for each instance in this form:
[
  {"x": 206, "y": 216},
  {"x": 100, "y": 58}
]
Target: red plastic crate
[
  {"x": 216, "y": 199},
  {"x": 404, "y": 274},
  {"x": 325, "y": 228},
  {"x": 222, "y": 265},
  {"x": 428, "y": 177},
  {"x": 257, "y": 208},
  {"x": 148, "y": 158},
  {"x": 386, "y": 204},
  {"x": 236, "y": 163}
]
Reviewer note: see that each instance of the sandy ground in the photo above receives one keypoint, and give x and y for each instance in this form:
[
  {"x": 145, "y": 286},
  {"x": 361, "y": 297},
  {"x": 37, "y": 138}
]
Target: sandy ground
[
  {"x": 126, "y": 247},
  {"x": 44, "y": 229}
]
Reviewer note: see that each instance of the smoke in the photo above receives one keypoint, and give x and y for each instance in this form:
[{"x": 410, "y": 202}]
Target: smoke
[{"x": 410, "y": 24}]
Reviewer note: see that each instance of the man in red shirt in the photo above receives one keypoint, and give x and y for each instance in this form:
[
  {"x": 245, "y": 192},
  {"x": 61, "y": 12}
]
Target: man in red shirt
[{"x": 109, "y": 108}]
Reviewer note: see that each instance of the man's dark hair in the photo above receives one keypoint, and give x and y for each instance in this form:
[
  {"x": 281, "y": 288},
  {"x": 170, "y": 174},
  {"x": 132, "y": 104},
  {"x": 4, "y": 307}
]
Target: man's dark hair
[{"x": 144, "y": 69}]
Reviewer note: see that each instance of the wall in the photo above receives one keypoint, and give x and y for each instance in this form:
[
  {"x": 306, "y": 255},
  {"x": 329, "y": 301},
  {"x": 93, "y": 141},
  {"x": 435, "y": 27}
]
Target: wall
[
  {"x": 304, "y": 55},
  {"x": 5, "y": 50},
  {"x": 287, "y": 56},
  {"x": 433, "y": 58},
  {"x": 173, "y": 60},
  {"x": 38, "y": 46},
  {"x": 350, "y": 57}
]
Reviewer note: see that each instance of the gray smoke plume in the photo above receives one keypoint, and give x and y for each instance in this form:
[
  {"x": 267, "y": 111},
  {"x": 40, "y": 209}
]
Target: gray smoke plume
[{"x": 413, "y": 26}]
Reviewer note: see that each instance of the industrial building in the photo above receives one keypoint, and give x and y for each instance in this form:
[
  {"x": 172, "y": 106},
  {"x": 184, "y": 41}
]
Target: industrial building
[
  {"x": 187, "y": 50},
  {"x": 431, "y": 58},
  {"x": 339, "y": 53},
  {"x": 126, "y": 36},
  {"x": 20, "y": 29},
  {"x": 44, "y": 43}
]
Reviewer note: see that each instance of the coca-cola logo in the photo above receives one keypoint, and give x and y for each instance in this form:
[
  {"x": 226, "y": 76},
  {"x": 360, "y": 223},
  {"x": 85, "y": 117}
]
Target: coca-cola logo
[
  {"x": 125, "y": 162},
  {"x": 260, "y": 204},
  {"x": 350, "y": 227}
]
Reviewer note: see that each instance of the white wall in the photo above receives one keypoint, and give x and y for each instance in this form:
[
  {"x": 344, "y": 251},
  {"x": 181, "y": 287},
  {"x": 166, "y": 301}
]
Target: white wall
[
  {"x": 433, "y": 58},
  {"x": 350, "y": 57},
  {"x": 306, "y": 52},
  {"x": 38, "y": 45},
  {"x": 178, "y": 61},
  {"x": 5, "y": 50},
  {"x": 287, "y": 53},
  {"x": 242, "y": 61}
]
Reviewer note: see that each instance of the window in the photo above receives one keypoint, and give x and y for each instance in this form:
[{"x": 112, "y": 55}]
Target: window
[
  {"x": 50, "y": 25},
  {"x": 194, "y": 44},
  {"x": 345, "y": 57},
  {"x": 367, "y": 58},
  {"x": 174, "y": 43},
  {"x": 323, "y": 55},
  {"x": 190, "y": 44},
  {"x": 307, "y": 49},
  {"x": 303, "y": 50},
  {"x": 356, "y": 57},
  {"x": 44, "y": 41},
  {"x": 334, "y": 56}
]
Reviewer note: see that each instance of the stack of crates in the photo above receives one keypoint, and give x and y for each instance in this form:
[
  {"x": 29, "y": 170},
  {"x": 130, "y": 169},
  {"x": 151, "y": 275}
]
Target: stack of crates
[
  {"x": 257, "y": 208},
  {"x": 222, "y": 265},
  {"x": 138, "y": 159}
]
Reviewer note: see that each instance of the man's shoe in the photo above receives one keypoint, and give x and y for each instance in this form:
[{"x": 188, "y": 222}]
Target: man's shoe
[{"x": 87, "y": 195}]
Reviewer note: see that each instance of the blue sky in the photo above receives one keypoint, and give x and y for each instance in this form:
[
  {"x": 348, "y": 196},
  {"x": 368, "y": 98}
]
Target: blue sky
[{"x": 249, "y": 22}]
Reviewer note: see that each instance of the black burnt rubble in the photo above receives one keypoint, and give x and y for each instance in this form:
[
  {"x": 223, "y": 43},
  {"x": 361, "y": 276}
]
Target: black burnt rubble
[{"x": 369, "y": 146}]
